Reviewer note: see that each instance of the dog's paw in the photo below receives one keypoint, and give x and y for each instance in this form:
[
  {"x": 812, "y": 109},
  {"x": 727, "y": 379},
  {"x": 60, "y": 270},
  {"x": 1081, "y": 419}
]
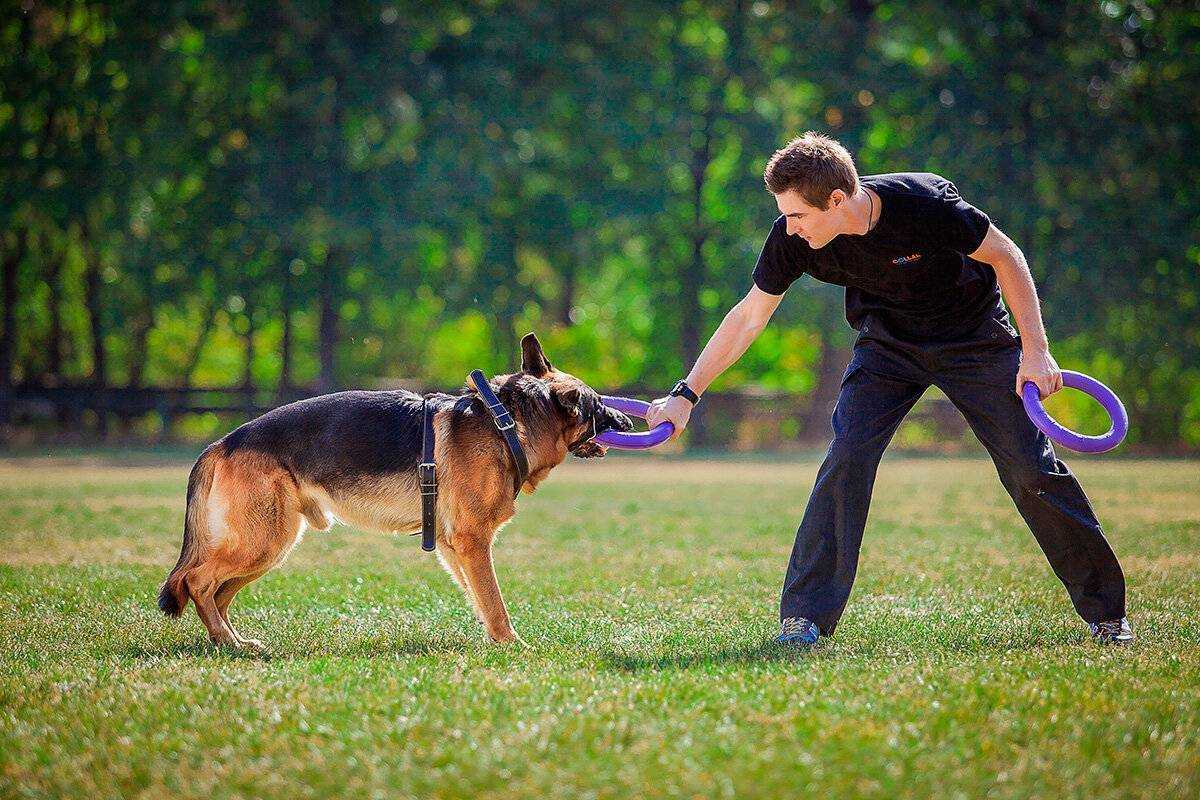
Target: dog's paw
[{"x": 510, "y": 638}]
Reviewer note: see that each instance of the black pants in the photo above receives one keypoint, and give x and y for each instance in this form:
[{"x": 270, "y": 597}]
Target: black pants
[{"x": 885, "y": 378}]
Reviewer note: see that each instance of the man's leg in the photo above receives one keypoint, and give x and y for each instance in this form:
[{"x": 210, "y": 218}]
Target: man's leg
[
  {"x": 1046, "y": 493},
  {"x": 879, "y": 388}
]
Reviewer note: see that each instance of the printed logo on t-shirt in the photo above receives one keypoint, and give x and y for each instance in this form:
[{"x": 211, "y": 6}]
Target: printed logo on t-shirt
[{"x": 902, "y": 260}]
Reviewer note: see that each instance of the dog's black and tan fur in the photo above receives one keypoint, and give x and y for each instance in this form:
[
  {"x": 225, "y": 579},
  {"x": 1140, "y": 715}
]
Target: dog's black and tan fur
[{"x": 352, "y": 457}]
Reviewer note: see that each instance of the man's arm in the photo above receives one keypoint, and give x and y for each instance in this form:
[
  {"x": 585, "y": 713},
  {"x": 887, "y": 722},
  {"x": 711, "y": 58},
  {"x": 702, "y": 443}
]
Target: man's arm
[
  {"x": 733, "y": 337},
  {"x": 1016, "y": 284}
]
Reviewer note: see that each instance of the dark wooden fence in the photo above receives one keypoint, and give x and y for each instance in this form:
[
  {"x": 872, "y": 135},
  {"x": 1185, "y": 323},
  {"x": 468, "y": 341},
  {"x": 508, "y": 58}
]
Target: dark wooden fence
[{"x": 745, "y": 420}]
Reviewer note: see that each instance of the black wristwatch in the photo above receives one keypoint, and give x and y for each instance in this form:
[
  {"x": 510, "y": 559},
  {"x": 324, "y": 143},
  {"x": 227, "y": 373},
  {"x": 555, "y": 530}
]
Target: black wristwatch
[{"x": 683, "y": 390}]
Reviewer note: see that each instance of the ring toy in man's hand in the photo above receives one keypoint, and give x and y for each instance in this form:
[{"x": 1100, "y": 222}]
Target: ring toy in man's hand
[
  {"x": 1069, "y": 438},
  {"x": 630, "y": 440}
]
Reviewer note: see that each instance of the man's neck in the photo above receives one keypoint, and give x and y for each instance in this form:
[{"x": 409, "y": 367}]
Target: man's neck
[{"x": 863, "y": 213}]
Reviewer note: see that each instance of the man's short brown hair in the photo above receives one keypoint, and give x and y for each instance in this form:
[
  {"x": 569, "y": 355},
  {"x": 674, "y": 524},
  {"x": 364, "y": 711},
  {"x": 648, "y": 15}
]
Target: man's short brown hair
[{"x": 813, "y": 165}]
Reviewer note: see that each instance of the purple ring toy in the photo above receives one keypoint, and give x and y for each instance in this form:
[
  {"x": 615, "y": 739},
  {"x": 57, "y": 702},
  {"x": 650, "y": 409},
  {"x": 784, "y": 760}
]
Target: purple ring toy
[
  {"x": 1069, "y": 438},
  {"x": 631, "y": 440}
]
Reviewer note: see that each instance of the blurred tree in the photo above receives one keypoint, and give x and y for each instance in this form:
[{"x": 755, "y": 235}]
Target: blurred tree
[{"x": 315, "y": 194}]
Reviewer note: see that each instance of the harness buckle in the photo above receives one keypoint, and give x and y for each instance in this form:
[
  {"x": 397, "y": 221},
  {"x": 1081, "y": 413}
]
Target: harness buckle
[
  {"x": 428, "y": 475},
  {"x": 500, "y": 421}
]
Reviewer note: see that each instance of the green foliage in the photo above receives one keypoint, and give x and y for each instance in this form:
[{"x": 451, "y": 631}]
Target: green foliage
[{"x": 409, "y": 187}]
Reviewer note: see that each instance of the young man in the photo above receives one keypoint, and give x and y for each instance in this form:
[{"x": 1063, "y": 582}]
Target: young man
[{"x": 923, "y": 271}]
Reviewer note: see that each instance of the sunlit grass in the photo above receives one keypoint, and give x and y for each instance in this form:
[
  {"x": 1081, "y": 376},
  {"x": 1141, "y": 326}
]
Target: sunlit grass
[{"x": 647, "y": 588}]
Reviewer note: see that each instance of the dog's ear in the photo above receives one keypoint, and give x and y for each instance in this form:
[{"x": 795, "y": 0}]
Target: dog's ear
[
  {"x": 533, "y": 360},
  {"x": 568, "y": 398}
]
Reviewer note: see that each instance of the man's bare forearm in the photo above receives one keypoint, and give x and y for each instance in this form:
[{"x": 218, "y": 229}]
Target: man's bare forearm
[
  {"x": 729, "y": 342},
  {"x": 1016, "y": 284}
]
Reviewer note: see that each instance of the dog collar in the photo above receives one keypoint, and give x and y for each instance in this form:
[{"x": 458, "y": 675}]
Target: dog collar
[{"x": 506, "y": 425}]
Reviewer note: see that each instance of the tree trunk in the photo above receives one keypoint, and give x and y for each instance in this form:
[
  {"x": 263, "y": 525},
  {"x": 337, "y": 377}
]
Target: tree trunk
[
  {"x": 333, "y": 192},
  {"x": 570, "y": 275},
  {"x": 54, "y": 309},
  {"x": 138, "y": 337},
  {"x": 327, "y": 326},
  {"x": 692, "y": 279},
  {"x": 137, "y": 349},
  {"x": 568, "y": 295},
  {"x": 690, "y": 283},
  {"x": 193, "y": 359},
  {"x": 285, "y": 344},
  {"x": 93, "y": 300},
  {"x": 248, "y": 370},
  {"x": 8, "y": 275}
]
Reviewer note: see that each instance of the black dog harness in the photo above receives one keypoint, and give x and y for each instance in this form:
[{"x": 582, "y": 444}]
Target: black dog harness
[{"x": 427, "y": 470}]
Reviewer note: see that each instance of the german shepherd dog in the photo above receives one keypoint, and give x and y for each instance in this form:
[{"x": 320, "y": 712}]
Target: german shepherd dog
[{"x": 352, "y": 457}]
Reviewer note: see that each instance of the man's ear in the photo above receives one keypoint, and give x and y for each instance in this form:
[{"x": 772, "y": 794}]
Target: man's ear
[
  {"x": 533, "y": 360},
  {"x": 568, "y": 398}
]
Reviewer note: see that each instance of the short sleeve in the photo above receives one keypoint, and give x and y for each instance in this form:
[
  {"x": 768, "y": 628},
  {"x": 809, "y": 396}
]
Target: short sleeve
[
  {"x": 962, "y": 225},
  {"x": 780, "y": 263}
]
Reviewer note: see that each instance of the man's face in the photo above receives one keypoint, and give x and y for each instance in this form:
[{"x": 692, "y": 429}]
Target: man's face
[{"x": 815, "y": 226}]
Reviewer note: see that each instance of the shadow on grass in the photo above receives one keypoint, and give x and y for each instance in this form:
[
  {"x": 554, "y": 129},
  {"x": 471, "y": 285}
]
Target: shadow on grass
[
  {"x": 845, "y": 651},
  {"x": 196, "y": 649},
  {"x": 301, "y": 651},
  {"x": 764, "y": 651}
]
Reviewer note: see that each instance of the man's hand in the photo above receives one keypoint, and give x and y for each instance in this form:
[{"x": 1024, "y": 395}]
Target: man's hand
[
  {"x": 1039, "y": 367},
  {"x": 676, "y": 410}
]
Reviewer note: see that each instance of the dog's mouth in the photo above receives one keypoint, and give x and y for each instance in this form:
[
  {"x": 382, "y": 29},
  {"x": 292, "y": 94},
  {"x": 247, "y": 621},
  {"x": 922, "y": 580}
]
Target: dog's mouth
[
  {"x": 618, "y": 421},
  {"x": 603, "y": 419},
  {"x": 588, "y": 449}
]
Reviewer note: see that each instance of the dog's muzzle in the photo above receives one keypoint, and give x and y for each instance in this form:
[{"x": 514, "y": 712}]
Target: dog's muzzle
[
  {"x": 584, "y": 447},
  {"x": 602, "y": 419}
]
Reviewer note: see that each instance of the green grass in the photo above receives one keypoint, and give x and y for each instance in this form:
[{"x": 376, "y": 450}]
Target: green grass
[{"x": 647, "y": 588}]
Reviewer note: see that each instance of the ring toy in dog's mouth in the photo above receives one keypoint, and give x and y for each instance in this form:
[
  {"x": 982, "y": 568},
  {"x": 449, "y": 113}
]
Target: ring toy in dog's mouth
[
  {"x": 633, "y": 440},
  {"x": 1069, "y": 438}
]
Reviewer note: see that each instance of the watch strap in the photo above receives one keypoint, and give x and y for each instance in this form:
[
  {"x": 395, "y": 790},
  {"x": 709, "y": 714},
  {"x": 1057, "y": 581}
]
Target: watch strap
[{"x": 683, "y": 390}]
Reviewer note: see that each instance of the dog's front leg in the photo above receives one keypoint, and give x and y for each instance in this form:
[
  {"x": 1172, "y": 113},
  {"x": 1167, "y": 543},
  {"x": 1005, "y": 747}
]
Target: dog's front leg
[
  {"x": 452, "y": 561},
  {"x": 475, "y": 555}
]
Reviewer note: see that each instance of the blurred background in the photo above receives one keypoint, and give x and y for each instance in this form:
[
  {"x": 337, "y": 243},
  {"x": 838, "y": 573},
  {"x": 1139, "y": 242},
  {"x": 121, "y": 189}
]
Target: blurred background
[{"x": 210, "y": 208}]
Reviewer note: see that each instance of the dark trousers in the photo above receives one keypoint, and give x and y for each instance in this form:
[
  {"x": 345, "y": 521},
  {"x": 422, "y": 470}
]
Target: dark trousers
[{"x": 885, "y": 378}]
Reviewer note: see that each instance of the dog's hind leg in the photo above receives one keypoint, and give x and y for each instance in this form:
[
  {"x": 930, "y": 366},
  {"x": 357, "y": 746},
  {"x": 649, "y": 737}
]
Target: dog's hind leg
[
  {"x": 224, "y": 597},
  {"x": 202, "y": 584},
  {"x": 255, "y": 523}
]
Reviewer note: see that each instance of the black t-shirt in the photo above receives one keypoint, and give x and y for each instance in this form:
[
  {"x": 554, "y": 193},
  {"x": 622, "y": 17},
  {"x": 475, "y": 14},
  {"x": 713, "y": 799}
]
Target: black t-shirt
[{"x": 911, "y": 270}]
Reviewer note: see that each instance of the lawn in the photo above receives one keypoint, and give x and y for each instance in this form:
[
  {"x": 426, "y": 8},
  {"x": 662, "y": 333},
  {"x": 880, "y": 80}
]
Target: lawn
[{"x": 646, "y": 587}]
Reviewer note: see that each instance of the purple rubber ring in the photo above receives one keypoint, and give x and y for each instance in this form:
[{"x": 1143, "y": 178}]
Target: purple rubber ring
[
  {"x": 1069, "y": 438},
  {"x": 633, "y": 441}
]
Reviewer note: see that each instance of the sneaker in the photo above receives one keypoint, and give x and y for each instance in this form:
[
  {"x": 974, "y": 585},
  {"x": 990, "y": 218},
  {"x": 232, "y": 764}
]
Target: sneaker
[
  {"x": 798, "y": 631},
  {"x": 1116, "y": 632}
]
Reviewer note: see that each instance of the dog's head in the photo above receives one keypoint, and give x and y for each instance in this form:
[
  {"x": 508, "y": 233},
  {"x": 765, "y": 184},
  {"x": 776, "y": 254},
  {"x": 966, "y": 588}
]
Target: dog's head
[{"x": 579, "y": 406}]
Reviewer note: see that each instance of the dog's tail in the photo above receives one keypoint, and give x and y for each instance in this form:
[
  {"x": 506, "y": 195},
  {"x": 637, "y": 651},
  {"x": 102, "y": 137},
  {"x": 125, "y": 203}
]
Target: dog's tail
[{"x": 173, "y": 596}]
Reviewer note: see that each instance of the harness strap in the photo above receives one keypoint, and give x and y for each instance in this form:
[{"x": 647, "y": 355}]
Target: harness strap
[
  {"x": 427, "y": 471},
  {"x": 507, "y": 427}
]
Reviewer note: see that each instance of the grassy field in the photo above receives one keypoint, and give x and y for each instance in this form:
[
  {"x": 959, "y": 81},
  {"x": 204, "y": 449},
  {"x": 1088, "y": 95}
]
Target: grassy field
[{"x": 647, "y": 589}]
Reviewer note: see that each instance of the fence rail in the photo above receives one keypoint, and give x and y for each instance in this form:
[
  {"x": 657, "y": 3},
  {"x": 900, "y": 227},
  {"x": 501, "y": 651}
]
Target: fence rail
[{"x": 742, "y": 420}]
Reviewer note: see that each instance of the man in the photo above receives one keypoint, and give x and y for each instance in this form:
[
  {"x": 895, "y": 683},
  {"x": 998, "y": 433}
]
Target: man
[{"x": 923, "y": 271}]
